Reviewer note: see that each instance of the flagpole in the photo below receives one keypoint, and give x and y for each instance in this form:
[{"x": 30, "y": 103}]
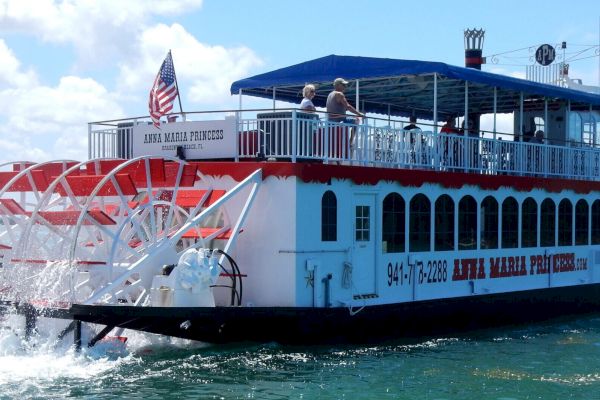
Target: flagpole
[{"x": 177, "y": 84}]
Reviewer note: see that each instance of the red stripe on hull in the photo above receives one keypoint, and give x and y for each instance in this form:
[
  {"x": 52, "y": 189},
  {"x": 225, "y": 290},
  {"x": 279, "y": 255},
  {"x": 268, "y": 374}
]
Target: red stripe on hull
[{"x": 317, "y": 172}]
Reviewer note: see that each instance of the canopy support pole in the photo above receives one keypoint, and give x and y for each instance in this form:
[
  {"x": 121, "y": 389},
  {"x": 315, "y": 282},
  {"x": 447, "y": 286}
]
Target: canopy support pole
[
  {"x": 495, "y": 109},
  {"x": 466, "y": 117},
  {"x": 567, "y": 122},
  {"x": 594, "y": 129},
  {"x": 521, "y": 119},
  {"x": 435, "y": 116},
  {"x": 274, "y": 91},
  {"x": 465, "y": 123},
  {"x": 357, "y": 95},
  {"x": 546, "y": 117}
]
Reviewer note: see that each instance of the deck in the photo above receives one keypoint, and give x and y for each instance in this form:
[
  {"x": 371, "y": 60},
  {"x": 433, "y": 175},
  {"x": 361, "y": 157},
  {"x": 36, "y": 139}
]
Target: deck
[{"x": 290, "y": 135}]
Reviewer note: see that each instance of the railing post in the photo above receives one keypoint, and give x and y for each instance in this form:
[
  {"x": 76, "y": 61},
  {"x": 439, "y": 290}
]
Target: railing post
[
  {"x": 239, "y": 136},
  {"x": 294, "y": 134},
  {"x": 366, "y": 151},
  {"x": 90, "y": 142},
  {"x": 325, "y": 148}
]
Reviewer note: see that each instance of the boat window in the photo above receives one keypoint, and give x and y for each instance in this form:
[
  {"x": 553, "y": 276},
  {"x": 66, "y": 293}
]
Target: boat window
[
  {"x": 489, "y": 223},
  {"x": 548, "y": 223},
  {"x": 565, "y": 223},
  {"x": 581, "y": 223},
  {"x": 596, "y": 222},
  {"x": 575, "y": 133},
  {"x": 467, "y": 223},
  {"x": 393, "y": 223},
  {"x": 444, "y": 223},
  {"x": 589, "y": 127},
  {"x": 363, "y": 228},
  {"x": 539, "y": 124},
  {"x": 329, "y": 217},
  {"x": 510, "y": 223},
  {"x": 420, "y": 223},
  {"x": 529, "y": 223}
]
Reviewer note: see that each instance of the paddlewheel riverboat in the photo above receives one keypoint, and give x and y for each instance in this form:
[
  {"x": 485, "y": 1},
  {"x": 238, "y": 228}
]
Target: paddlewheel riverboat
[{"x": 270, "y": 225}]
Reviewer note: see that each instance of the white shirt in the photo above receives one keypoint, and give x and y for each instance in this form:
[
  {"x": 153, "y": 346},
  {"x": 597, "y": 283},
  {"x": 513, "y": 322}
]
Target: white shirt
[{"x": 307, "y": 104}]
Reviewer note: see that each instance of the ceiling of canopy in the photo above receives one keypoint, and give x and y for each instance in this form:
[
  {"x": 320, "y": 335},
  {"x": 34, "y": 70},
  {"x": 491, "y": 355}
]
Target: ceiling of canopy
[{"x": 406, "y": 87}]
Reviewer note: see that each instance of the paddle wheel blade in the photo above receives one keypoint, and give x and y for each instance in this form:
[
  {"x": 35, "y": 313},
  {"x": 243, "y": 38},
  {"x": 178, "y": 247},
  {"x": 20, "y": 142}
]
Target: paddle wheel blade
[{"x": 101, "y": 231}]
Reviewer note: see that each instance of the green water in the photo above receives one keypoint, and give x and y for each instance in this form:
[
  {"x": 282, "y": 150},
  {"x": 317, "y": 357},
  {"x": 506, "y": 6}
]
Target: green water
[{"x": 558, "y": 360}]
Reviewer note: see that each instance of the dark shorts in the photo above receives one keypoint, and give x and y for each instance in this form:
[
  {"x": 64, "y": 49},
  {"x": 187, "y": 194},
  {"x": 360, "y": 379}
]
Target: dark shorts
[{"x": 347, "y": 120}]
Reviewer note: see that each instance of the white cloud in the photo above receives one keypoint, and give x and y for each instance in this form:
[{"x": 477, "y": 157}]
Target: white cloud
[
  {"x": 204, "y": 72},
  {"x": 99, "y": 30},
  {"x": 46, "y": 120},
  {"x": 20, "y": 150},
  {"x": 507, "y": 72},
  {"x": 113, "y": 32},
  {"x": 10, "y": 74},
  {"x": 504, "y": 125},
  {"x": 51, "y": 122}
]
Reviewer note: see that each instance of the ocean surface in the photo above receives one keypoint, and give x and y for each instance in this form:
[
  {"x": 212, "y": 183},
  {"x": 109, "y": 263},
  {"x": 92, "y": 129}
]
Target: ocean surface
[{"x": 553, "y": 360}]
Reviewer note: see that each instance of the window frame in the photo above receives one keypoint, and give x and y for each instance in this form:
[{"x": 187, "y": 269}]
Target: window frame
[
  {"x": 420, "y": 238},
  {"x": 513, "y": 218},
  {"x": 393, "y": 224},
  {"x": 444, "y": 223},
  {"x": 329, "y": 217}
]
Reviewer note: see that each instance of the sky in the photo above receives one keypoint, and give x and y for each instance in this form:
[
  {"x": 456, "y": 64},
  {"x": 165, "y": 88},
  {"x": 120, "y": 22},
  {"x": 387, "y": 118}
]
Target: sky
[{"x": 66, "y": 63}]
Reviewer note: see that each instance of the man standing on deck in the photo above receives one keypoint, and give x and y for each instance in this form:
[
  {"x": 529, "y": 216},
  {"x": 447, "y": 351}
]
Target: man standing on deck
[{"x": 337, "y": 105}]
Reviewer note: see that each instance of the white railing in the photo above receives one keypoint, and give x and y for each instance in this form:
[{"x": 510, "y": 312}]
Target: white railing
[
  {"x": 110, "y": 143},
  {"x": 296, "y": 136}
]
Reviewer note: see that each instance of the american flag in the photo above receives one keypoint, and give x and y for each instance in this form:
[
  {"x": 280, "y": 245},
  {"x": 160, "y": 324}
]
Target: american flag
[{"x": 163, "y": 92}]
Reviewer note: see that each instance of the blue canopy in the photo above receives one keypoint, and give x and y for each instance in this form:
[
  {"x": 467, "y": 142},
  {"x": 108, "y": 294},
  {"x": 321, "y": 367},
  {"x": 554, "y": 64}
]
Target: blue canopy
[{"x": 405, "y": 87}]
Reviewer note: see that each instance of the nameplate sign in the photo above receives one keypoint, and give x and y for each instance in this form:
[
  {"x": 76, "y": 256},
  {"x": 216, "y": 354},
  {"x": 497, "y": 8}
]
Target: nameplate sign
[{"x": 198, "y": 139}]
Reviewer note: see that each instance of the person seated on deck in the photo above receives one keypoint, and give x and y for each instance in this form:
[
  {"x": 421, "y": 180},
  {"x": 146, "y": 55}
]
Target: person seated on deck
[
  {"x": 528, "y": 134},
  {"x": 450, "y": 129},
  {"x": 337, "y": 105},
  {"x": 473, "y": 144},
  {"x": 413, "y": 124},
  {"x": 449, "y": 126},
  {"x": 538, "y": 138},
  {"x": 414, "y": 130},
  {"x": 309, "y": 93},
  {"x": 537, "y": 151}
]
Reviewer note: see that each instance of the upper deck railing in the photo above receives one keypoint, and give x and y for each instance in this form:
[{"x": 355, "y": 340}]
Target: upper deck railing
[{"x": 291, "y": 135}]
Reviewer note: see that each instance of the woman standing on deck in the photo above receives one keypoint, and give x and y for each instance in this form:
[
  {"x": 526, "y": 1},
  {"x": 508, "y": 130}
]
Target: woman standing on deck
[{"x": 309, "y": 93}]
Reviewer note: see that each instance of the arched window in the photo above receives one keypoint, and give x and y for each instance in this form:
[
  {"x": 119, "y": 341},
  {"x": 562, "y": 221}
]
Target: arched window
[
  {"x": 393, "y": 223},
  {"x": 529, "y": 223},
  {"x": 548, "y": 223},
  {"x": 467, "y": 223},
  {"x": 565, "y": 223},
  {"x": 489, "y": 223},
  {"x": 510, "y": 223},
  {"x": 444, "y": 223},
  {"x": 420, "y": 223},
  {"x": 329, "y": 217},
  {"x": 596, "y": 222},
  {"x": 581, "y": 223}
]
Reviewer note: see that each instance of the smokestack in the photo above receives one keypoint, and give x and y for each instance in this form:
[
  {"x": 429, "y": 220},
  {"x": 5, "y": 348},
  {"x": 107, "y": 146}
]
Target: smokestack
[{"x": 473, "y": 48}]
